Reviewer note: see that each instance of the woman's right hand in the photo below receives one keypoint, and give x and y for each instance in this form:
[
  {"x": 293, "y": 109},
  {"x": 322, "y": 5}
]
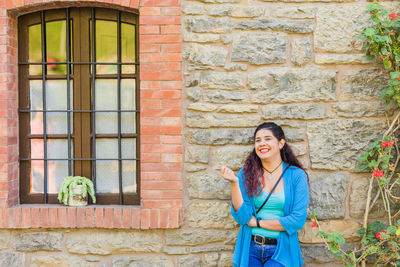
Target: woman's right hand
[{"x": 228, "y": 174}]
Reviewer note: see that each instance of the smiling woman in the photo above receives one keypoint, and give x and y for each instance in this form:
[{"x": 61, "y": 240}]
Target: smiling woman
[{"x": 270, "y": 196}]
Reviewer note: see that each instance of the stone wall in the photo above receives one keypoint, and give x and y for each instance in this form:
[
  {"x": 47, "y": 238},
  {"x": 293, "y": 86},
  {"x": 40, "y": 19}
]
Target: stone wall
[{"x": 294, "y": 62}]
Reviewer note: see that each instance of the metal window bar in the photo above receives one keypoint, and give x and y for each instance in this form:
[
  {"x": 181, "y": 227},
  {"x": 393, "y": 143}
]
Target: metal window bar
[
  {"x": 119, "y": 106},
  {"x": 77, "y": 111},
  {"x": 44, "y": 72},
  {"x": 68, "y": 91},
  {"x": 78, "y": 159},
  {"x": 78, "y": 63},
  {"x": 93, "y": 117}
]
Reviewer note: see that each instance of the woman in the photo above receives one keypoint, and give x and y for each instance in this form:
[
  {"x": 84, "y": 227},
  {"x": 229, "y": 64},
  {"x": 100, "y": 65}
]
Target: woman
[{"x": 268, "y": 234}]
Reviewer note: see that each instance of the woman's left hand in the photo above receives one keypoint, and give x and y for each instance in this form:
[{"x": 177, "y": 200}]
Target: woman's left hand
[{"x": 252, "y": 222}]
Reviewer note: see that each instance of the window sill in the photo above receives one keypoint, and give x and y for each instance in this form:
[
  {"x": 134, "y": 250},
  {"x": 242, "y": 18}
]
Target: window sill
[{"x": 92, "y": 216}]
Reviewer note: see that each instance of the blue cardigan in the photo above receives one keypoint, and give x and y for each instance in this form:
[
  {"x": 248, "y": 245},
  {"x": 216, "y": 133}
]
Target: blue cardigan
[{"x": 295, "y": 214}]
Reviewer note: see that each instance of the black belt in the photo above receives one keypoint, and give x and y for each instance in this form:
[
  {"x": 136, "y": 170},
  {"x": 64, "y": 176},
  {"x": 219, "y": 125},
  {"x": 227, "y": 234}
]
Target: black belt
[{"x": 261, "y": 240}]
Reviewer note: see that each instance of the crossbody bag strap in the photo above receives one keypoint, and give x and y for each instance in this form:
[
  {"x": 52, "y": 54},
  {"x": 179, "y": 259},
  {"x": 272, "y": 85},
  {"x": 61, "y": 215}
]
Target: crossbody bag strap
[{"x": 270, "y": 193}]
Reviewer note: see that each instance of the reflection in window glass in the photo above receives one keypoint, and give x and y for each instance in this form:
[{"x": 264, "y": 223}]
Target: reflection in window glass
[
  {"x": 56, "y": 47},
  {"x": 37, "y": 176},
  {"x": 35, "y": 49},
  {"x": 106, "y": 46},
  {"x": 129, "y": 176},
  {"x": 128, "y": 47}
]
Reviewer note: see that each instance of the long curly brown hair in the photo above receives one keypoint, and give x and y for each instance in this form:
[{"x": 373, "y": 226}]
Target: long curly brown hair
[{"x": 253, "y": 167}]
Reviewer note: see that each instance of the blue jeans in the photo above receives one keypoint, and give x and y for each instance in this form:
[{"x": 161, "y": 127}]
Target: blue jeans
[{"x": 260, "y": 255}]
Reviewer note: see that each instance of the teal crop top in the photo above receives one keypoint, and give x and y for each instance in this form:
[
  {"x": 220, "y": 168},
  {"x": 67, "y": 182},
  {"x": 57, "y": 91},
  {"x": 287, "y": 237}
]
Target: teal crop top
[{"x": 273, "y": 209}]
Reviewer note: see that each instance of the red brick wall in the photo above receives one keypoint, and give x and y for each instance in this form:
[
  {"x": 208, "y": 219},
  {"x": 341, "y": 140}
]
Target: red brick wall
[{"x": 161, "y": 124}]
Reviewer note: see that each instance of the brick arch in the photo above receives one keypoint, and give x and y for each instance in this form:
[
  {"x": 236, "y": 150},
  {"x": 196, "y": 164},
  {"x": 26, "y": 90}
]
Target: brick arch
[
  {"x": 161, "y": 123},
  {"x": 20, "y": 7}
]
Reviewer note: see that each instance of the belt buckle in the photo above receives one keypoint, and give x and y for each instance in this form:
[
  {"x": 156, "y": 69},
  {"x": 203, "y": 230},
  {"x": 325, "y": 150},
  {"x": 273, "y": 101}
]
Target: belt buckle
[{"x": 259, "y": 242}]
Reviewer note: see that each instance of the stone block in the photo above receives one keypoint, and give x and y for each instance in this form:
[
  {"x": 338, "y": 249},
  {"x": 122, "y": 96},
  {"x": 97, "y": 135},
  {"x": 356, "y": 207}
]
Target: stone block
[
  {"x": 211, "y": 259},
  {"x": 220, "y": 96},
  {"x": 349, "y": 20},
  {"x": 301, "y": 51},
  {"x": 295, "y": 131},
  {"x": 328, "y": 193},
  {"x": 221, "y": 136},
  {"x": 107, "y": 243},
  {"x": 336, "y": 144},
  {"x": 221, "y": 80},
  {"x": 143, "y": 261},
  {"x": 200, "y": 120},
  {"x": 347, "y": 228},
  {"x": 285, "y": 25},
  {"x": 195, "y": 154},
  {"x": 11, "y": 259},
  {"x": 61, "y": 261},
  {"x": 205, "y": 56},
  {"x": 259, "y": 49},
  {"x": 231, "y": 156},
  {"x": 285, "y": 85},
  {"x": 235, "y": 67},
  {"x": 235, "y": 108},
  {"x": 358, "y": 197},
  {"x": 362, "y": 109},
  {"x": 321, "y": 58},
  {"x": 209, "y": 214},
  {"x": 193, "y": 95},
  {"x": 219, "y": 1},
  {"x": 209, "y": 25},
  {"x": 295, "y": 12},
  {"x": 364, "y": 84},
  {"x": 204, "y": 107},
  {"x": 200, "y": 37},
  {"x": 195, "y": 167},
  {"x": 4, "y": 239},
  {"x": 226, "y": 259},
  {"x": 196, "y": 236},
  {"x": 318, "y": 254},
  {"x": 191, "y": 9},
  {"x": 301, "y": 1},
  {"x": 38, "y": 241},
  {"x": 219, "y": 10},
  {"x": 207, "y": 185},
  {"x": 304, "y": 111},
  {"x": 176, "y": 250},
  {"x": 191, "y": 80},
  {"x": 202, "y": 249},
  {"x": 247, "y": 12},
  {"x": 299, "y": 149},
  {"x": 190, "y": 261}
]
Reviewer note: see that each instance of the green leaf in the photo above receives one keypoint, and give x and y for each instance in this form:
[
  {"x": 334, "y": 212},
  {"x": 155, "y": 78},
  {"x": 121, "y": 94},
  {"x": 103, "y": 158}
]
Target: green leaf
[
  {"x": 361, "y": 231},
  {"x": 384, "y": 51},
  {"x": 387, "y": 63},
  {"x": 394, "y": 75},
  {"x": 362, "y": 167},
  {"x": 336, "y": 237},
  {"x": 391, "y": 229},
  {"x": 369, "y": 31}
]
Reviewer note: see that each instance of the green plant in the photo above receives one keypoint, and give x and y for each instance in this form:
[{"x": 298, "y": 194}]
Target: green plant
[
  {"x": 71, "y": 182},
  {"x": 380, "y": 239}
]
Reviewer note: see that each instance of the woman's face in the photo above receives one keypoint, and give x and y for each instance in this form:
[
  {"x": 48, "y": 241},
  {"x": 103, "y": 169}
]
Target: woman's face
[{"x": 267, "y": 146}]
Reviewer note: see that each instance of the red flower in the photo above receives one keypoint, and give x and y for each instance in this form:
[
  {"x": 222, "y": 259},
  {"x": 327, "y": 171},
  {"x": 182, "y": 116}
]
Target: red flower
[
  {"x": 377, "y": 173},
  {"x": 394, "y": 16},
  {"x": 398, "y": 78},
  {"x": 378, "y": 235},
  {"x": 314, "y": 224},
  {"x": 387, "y": 144}
]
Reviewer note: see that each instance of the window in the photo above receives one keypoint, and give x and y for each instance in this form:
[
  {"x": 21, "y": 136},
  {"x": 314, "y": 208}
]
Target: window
[{"x": 79, "y": 103}]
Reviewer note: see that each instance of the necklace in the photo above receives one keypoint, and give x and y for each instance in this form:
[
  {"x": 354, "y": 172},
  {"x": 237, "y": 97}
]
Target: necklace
[{"x": 270, "y": 174}]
